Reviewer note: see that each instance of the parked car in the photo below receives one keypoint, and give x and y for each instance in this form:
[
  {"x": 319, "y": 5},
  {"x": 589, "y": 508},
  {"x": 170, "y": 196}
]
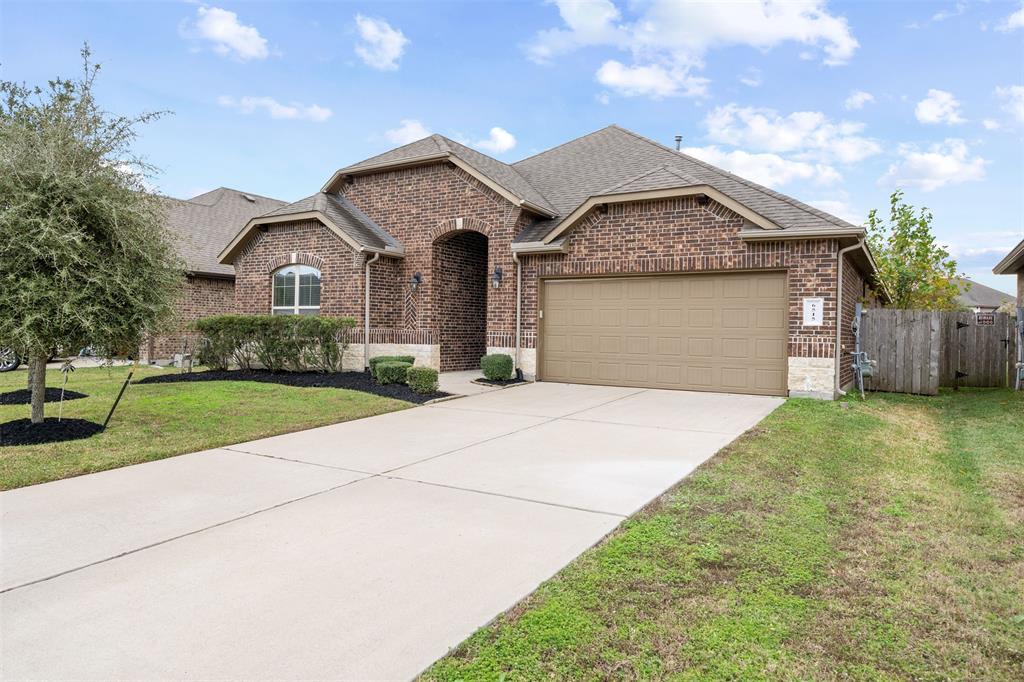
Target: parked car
[{"x": 9, "y": 360}]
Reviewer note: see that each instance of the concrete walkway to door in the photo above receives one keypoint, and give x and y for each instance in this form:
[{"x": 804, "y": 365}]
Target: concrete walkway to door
[{"x": 362, "y": 550}]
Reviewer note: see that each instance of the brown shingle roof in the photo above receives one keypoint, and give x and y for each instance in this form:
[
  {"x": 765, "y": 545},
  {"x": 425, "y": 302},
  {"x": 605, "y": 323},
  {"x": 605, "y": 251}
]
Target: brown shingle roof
[
  {"x": 343, "y": 213},
  {"x": 203, "y": 224},
  {"x": 980, "y": 296},
  {"x": 614, "y": 158}
]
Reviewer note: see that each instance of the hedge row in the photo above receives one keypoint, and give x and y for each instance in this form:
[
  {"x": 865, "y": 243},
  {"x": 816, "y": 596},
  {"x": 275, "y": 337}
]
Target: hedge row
[{"x": 277, "y": 342}]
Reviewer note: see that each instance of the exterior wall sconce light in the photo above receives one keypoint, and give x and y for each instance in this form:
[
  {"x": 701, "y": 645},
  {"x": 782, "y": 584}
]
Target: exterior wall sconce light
[
  {"x": 416, "y": 281},
  {"x": 496, "y": 277}
]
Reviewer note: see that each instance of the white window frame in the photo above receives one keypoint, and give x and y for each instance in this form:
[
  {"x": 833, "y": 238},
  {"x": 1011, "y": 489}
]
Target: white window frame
[{"x": 295, "y": 308}]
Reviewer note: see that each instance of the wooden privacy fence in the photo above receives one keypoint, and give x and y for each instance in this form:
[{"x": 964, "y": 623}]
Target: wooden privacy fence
[
  {"x": 906, "y": 346},
  {"x": 986, "y": 353},
  {"x": 919, "y": 350}
]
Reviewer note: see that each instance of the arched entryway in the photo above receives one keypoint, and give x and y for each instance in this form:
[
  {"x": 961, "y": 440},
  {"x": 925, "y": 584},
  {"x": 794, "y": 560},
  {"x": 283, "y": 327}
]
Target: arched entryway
[{"x": 460, "y": 298}]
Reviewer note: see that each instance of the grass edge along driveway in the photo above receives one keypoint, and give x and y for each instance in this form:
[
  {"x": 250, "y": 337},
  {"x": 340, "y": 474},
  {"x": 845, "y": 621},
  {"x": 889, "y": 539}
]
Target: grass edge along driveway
[
  {"x": 155, "y": 421},
  {"x": 883, "y": 541}
]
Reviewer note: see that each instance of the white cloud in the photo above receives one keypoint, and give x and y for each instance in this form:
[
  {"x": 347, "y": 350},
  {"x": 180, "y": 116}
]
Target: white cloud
[
  {"x": 651, "y": 80},
  {"x": 668, "y": 39},
  {"x": 990, "y": 124},
  {"x": 1014, "y": 96},
  {"x": 751, "y": 77},
  {"x": 955, "y": 11},
  {"x": 228, "y": 37},
  {"x": 1013, "y": 21},
  {"x": 839, "y": 208},
  {"x": 939, "y": 107},
  {"x": 408, "y": 131},
  {"x": 770, "y": 170},
  {"x": 809, "y": 133},
  {"x": 275, "y": 109},
  {"x": 499, "y": 141},
  {"x": 857, "y": 100},
  {"x": 944, "y": 163},
  {"x": 380, "y": 46}
]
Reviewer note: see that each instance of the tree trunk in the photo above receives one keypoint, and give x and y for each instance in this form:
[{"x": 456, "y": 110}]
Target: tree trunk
[
  {"x": 31, "y": 373},
  {"x": 37, "y": 371}
]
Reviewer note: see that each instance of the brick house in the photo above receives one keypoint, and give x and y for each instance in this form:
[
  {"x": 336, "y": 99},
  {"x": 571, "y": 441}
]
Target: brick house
[
  {"x": 1014, "y": 264},
  {"x": 202, "y": 225},
  {"x": 609, "y": 259}
]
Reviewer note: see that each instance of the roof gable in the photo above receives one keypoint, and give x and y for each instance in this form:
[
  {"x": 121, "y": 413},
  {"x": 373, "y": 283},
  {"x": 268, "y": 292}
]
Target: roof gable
[
  {"x": 335, "y": 211},
  {"x": 498, "y": 175}
]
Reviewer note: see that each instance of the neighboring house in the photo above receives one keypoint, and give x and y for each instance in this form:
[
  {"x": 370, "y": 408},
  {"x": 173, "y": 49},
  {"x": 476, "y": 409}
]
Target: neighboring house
[
  {"x": 201, "y": 226},
  {"x": 980, "y": 298},
  {"x": 1013, "y": 264},
  {"x": 609, "y": 259}
]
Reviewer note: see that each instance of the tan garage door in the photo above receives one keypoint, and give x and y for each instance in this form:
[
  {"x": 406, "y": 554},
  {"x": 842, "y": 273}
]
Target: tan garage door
[{"x": 722, "y": 332}]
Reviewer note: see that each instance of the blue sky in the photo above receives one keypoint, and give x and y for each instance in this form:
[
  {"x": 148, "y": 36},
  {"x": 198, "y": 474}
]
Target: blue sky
[{"x": 833, "y": 103}]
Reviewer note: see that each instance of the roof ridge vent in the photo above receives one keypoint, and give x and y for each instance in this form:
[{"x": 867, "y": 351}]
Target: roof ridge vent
[{"x": 250, "y": 198}]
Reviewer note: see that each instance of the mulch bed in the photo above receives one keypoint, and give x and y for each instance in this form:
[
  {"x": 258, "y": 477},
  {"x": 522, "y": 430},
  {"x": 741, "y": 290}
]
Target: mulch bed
[
  {"x": 355, "y": 381},
  {"x": 24, "y": 432},
  {"x": 24, "y": 396},
  {"x": 508, "y": 382}
]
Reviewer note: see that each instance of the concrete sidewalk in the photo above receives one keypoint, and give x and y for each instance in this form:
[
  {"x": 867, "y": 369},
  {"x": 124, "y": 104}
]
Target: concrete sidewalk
[{"x": 354, "y": 551}]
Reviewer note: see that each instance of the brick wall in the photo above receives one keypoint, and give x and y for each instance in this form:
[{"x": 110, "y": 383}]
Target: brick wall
[
  {"x": 313, "y": 244},
  {"x": 679, "y": 235},
  {"x": 422, "y": 205},
  {"x": 854, "y": 290},
  {"x": 201, "y": 297},
  {"x": 460, "y": 293}
]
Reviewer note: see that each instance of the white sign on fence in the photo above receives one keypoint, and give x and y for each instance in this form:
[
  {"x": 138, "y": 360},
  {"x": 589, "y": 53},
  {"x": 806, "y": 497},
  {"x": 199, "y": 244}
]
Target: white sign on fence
[{"x": 814, "y": 311}]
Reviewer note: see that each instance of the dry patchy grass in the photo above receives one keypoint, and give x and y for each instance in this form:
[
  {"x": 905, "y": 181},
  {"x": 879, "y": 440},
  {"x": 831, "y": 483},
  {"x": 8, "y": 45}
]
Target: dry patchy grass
[{"x": 879, "y": 542}]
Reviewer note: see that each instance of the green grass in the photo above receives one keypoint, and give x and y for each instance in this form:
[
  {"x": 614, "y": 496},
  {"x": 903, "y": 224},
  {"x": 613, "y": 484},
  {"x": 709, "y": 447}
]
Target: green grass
[
  {"x": 883, "y": 541},
  {"x": 155, "y": 421}
]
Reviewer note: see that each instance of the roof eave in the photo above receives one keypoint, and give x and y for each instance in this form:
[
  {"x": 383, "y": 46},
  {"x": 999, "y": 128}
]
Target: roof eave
[
  {"x": 1013, "y": 263},
  {"x": 800, "y": 233},
  {"x": 526, "y": 248},
  {"x": 335, "y": 183},
  {"x": 227, "y": 256}
]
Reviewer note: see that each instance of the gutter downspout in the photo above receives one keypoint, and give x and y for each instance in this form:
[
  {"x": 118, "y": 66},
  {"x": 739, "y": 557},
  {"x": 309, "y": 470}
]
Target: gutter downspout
[
  {"x": 366, "y": 312},
  {"x": 839, "y": 312},
  {"x": 519, "y": 302}
]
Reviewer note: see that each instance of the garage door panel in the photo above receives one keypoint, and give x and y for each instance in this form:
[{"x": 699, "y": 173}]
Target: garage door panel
[{"x": 720, "y": 332}]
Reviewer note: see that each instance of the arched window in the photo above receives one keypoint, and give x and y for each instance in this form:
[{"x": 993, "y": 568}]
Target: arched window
[{"x": 296, "y": 291}]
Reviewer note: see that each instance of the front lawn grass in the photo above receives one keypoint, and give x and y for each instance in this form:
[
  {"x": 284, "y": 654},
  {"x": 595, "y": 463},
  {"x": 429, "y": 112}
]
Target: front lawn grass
[
  {"x": 882, "y": 541},
  {"x": 155, "y": 421}
]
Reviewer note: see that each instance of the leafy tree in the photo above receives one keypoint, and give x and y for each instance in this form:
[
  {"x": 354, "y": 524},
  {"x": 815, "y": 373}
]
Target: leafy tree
[
  {"x": 914, "y": 270},
  {"x": 85, "y": 257}
]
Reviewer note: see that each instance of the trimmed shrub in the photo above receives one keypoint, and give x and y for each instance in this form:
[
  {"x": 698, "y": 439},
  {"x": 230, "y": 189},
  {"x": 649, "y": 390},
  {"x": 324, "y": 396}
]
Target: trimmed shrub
[
  {"x": 497, "y": 366},
  {"x": 389, "y": 358},
  {"x": 391, "y": 372},
  {"x": 277, "y": 342},
  {"x": 374, "y": 362},
  {"x": 423, "y": 380}
]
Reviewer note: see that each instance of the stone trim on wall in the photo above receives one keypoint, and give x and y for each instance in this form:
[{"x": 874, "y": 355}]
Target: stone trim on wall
[
  {"x": 450, "y": 225},
  {"x": 295, "y": 258},
  {"x": 812, "y": 378}
]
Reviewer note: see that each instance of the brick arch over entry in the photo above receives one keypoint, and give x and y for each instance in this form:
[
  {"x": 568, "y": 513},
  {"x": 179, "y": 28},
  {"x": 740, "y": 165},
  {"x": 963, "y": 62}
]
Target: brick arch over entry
[
  {"x": 295, "y": 259},
  {"x": 446, "y": 227}
]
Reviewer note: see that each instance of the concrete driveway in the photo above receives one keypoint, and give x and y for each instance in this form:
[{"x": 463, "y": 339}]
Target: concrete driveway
[{"x": 359, "y": 550}]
